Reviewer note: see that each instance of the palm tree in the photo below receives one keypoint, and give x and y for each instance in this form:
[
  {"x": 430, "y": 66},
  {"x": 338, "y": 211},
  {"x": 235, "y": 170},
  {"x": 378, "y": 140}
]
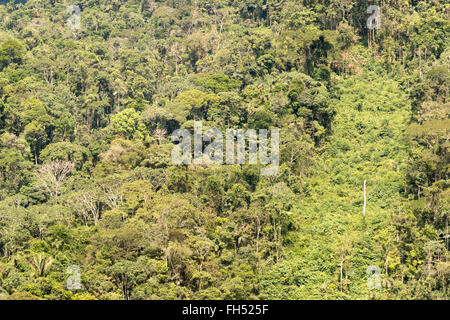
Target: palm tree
[{"x": 40, "y": 263}]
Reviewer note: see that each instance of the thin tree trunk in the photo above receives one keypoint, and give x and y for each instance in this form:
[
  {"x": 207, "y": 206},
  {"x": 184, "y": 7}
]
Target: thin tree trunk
[{"x": 365, "y": 200}]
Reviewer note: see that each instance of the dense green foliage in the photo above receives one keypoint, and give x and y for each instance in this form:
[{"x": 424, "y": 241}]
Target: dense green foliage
[{"x": 86, "y": 176}]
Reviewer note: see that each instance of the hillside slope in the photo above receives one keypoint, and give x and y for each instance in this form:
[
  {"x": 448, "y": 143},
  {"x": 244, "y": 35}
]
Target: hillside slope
[{"x": 367, "y": 143}]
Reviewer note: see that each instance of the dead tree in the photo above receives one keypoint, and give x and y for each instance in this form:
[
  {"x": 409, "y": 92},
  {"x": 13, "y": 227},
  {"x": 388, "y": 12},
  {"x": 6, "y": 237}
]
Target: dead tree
[
  {"x": 365, "y": 200},
  {"x": 52, "y": 175}
]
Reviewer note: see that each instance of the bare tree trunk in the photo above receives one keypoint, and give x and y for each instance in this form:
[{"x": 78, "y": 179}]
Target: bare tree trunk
[
  {"x": 258, "y": 229},
  {"x": 446, "y": 238},
  {"x": 365, "y": 200}
]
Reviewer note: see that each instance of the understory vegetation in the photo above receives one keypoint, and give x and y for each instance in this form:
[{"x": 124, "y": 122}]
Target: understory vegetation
[{"x": 87, "y": 178}]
